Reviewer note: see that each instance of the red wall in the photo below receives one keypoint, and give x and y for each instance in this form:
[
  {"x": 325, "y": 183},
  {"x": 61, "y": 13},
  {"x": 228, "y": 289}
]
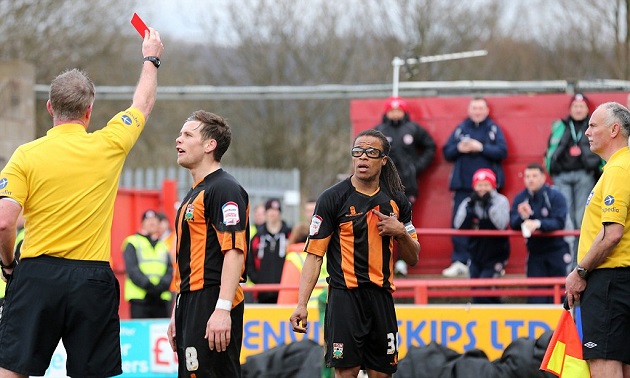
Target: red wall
[
  {"x": 525, "y": 121},
  {"x": 128, "y": 209}
]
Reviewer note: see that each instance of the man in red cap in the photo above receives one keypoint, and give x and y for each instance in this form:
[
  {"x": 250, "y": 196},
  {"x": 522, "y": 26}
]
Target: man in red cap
[
  {"x": 485, "y": 209},
  {"x": 412, "y": 150}
]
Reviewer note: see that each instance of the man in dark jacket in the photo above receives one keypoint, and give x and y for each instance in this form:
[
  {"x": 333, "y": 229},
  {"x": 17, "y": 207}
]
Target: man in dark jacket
[
  {"x": 412, "y": 146},
  {"x": 268, "y": 250},
  {"x": 412, "y": 151},
  {"x": 541, "y": 207},
  {"x": 476, "y": 143}
]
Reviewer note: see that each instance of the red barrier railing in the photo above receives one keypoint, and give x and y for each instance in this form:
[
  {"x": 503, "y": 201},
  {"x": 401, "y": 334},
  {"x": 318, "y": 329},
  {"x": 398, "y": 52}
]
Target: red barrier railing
[
  {"x": 423, "y": 289},
  {"x": 454, "y": 232}
]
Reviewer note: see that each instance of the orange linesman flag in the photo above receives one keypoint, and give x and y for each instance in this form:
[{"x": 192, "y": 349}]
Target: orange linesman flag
[{"x": 564, "y": 353}]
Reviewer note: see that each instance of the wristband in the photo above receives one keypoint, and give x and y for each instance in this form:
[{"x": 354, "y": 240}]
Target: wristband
[
  {"x": 223, "y": 304},
  {"x": 10, "y": 266}
]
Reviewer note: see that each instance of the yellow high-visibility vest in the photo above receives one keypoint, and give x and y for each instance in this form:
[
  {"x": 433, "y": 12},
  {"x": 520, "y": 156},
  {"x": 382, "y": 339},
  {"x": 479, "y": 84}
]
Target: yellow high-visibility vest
[{"x": 153, "y": 263}]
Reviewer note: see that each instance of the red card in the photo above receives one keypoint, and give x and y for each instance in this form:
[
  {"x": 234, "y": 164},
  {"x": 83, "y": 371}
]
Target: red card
[{"x": 137, "y": 23}]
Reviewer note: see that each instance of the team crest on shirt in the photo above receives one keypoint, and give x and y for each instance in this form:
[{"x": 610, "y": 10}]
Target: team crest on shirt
[
  {"x": 190, "y": 212},
  {"x": 230, "y": 213},
  {"x": 337, "y": 350},
  {"x": 316, "y": 223}
]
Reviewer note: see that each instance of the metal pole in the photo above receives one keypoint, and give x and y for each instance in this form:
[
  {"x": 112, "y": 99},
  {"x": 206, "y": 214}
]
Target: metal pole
[{"x": 397, "y": 62}]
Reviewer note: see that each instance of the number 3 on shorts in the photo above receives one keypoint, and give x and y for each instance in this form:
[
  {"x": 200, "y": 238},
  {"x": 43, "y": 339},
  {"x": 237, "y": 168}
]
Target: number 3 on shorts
[{"x": 192, "y": 362}]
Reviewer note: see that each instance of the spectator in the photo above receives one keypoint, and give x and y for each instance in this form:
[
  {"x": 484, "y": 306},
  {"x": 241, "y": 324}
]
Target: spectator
[
  {"x": 569, "y": 160},
  {"x": 477, "y": 142},
  {"x": 412, "y": 152},
  {"x": 293, "y": 264},
  {"x": 149, "y": 270},
  {"x": 308, "y": 211},
  {"x": 268, "y": 248},
  {"x": 66, "y": 182},
  {"x": 485, "y": 209},
  {"x": 356, "y": 231},
  {"x": 541, "y": 207},
  {"x": 206, "y": 327},
  {"x": 600, "y": 280},
  {"x": 259, "y": 219}
]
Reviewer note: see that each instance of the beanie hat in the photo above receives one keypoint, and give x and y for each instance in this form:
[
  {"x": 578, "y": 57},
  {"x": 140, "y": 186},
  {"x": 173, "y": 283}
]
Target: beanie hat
[
  {"x": 485, "y": 174},
  {"x": 395, "y": 102},
  {"x": 149, "y": 214},
  {"x": 273, "y": 204},
  {"x": 580, "y": 97}
]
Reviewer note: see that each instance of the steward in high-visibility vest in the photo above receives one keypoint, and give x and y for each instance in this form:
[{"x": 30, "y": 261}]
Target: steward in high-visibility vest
[
  {"x": 149, "y": 270},
  {"x": 19, "y": 238},
  {"x": 291, "y": 272}
]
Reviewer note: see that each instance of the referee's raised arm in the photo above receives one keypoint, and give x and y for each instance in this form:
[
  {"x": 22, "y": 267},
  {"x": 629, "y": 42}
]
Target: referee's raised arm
[{"x": 144, "y": 96}]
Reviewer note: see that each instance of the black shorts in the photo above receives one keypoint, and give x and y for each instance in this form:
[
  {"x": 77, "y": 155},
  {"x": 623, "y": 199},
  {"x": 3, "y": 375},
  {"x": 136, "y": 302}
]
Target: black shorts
[
  {"x": 605, "y": 307},
  {"x": 361, "y": 329},
  {"x": 51, "y": 298},
  {"x": 192, "y": 311}
]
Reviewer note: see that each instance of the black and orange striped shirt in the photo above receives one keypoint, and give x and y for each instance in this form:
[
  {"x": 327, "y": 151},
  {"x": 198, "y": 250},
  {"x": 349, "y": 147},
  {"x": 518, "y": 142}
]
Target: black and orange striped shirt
[
  {"x": 213, "y": 218},
  {"x": 344, "y": 228}
]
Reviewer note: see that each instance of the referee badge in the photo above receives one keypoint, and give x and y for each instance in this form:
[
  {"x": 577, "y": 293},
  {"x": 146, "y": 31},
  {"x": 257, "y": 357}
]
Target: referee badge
[{"x": 338, "y": 350}]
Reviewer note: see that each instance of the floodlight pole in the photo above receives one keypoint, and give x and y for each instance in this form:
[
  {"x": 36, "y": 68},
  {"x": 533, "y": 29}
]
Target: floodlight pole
[{"x": 397, "y": 62}]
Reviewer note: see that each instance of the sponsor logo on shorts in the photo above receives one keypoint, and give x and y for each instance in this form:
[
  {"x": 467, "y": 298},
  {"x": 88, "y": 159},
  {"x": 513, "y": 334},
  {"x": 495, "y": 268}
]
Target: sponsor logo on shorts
[
  {"x": 590, "y": 345},
  {"x": 230, "y": 213},
  {"x": 316, "y": 223},
  {"x": 337, "y": 350}
]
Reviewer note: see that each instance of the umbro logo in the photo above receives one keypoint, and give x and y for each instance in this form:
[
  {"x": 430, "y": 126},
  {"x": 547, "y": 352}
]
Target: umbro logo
[{"x": 590, "y": 345}]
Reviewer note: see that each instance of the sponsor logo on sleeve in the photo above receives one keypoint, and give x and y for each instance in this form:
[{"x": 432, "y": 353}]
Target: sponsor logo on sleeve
[
  {"x": 230, "y": 214},
  {"x": 316, "y": 223},
  {"x": 609, "y": 201},
  {"x": 126, "y": 119},
  {"x": 4, "y": 182}
]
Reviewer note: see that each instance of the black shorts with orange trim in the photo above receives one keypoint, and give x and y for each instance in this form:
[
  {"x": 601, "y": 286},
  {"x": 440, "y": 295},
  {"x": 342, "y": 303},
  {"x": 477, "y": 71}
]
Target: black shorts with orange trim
[{"x": 361, "y": 329}]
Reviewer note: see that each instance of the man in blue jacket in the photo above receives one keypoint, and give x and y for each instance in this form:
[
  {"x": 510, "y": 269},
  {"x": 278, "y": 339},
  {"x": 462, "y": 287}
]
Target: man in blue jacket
[
  {"x": 476, "y": 143},
  {"x": 542, "y": 207}
]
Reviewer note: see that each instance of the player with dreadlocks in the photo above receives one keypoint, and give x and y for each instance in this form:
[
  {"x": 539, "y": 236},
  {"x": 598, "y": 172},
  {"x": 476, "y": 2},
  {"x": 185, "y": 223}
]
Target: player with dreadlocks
[{"x": 356, "y": 223}]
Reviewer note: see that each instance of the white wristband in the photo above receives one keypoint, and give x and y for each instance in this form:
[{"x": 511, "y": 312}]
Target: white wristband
[{"x": 223, "y": 304}]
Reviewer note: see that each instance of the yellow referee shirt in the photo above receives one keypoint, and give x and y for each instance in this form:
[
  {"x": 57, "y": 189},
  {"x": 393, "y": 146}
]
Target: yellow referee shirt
[
  {"x": 67, "y": 182},
  {"x": 609, "y": 202}
]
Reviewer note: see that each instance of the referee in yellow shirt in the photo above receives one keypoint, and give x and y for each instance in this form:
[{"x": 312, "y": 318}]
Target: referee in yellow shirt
[
  {"x": 601, "y": 280},
  {"x": 66, "y": 183}
]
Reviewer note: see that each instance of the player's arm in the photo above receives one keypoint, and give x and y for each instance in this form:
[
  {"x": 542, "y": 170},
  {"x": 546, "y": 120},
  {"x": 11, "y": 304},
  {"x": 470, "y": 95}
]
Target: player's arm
[
  {"x": 220, "y": 323},
  {"x": 9, "y": 212},
  {"x": 308, "y": 280},
  {"x": 144, "y": 96}
]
